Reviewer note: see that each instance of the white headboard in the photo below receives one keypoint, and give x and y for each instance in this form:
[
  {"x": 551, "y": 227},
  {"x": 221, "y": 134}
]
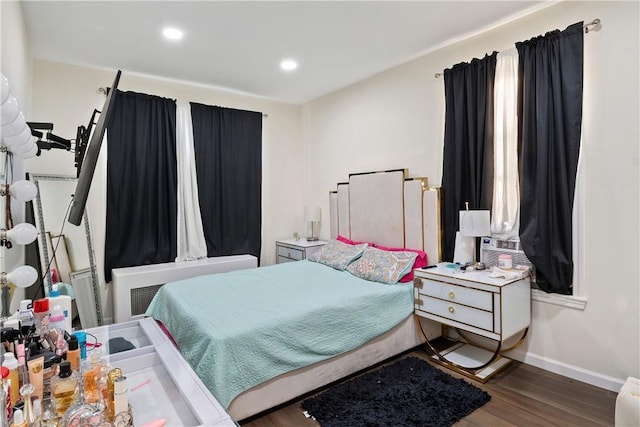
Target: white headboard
[{"x": 389, "y": 209}]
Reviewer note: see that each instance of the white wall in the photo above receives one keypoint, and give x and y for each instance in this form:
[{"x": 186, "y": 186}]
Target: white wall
[
  {"x": 15, "y": 64},
  {"x": 15, "y": 57},
  {"x": 395, "y": 120},
  {"x": 66, "y": 96}
]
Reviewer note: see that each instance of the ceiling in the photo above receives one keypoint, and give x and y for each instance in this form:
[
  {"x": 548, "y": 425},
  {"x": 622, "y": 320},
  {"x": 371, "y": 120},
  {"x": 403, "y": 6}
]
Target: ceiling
[{"x": 238, "y": 45}]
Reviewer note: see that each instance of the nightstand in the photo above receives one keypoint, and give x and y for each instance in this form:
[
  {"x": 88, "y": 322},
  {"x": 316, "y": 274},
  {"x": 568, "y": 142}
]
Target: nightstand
[
  {"x": 296, "y": 250},
  {"x": 493, "y": 308}
]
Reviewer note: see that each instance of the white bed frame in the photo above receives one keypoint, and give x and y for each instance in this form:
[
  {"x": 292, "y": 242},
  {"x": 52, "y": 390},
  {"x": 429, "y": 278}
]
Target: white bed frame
[{"x": 380, "y": 207}]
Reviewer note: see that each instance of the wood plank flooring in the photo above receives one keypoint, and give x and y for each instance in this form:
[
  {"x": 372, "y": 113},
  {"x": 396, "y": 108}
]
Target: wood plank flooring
[{"x": 521, "y": 395}]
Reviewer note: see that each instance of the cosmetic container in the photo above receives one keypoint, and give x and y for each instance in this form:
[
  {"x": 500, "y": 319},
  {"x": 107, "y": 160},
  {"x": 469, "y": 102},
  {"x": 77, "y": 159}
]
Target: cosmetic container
[
  {"x": 26, "y": 391},
  {"x": 64, "y": 388},
  {"x": 56, "y": 320},
  {"x": 41, "y": 314},
  {"x": 18, "y": 419},
  {"x": 120, "y": 395},
  {"x": 25, "y": 313},
  {"x": 61, "y": 346},
  {"x": 6, "y": 392},
  {"x": 91, "y": 376},
  {"x": 36, "y": 375},
  {"x": 505, "y": 261},
  {"x": 51, "y": 364},
  {"x": 21, "y": 360},
  {"x": 11, "y": 363},
  {"x": 64, "y": 301},
  {"x": 82, "y": 343},
  {"x": 37, "y": 412},
  {"x": 73, "y": 353},
  {"x": 112, "y": 376},
  {"x": 48, "y": 417}
]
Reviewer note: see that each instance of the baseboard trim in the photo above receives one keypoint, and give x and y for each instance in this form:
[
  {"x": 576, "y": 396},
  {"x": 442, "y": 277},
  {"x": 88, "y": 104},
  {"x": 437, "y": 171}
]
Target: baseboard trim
[{"x": 571, "y": 371}]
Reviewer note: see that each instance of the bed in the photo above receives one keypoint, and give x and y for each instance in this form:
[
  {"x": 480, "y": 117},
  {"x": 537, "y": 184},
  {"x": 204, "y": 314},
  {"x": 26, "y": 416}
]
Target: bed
[{"x": 260, "y": 337}]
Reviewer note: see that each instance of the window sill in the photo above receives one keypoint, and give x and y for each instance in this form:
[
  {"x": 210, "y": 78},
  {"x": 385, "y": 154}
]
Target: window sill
[{"x": 570, "y": 301}]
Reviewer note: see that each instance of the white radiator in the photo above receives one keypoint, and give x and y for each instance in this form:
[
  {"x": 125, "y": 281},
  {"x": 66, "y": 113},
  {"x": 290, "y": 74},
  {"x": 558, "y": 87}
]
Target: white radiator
[
  {"x": 135, "y": 287},
  {"x": 491, "y": 249}
]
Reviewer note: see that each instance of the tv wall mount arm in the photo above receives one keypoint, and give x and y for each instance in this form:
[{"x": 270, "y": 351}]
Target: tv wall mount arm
[{"x": 47, "y": 140}]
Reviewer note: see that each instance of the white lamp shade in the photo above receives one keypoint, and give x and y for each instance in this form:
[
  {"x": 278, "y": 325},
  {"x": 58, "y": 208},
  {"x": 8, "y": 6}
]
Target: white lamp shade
[
  {"x": 23, "y": 190},
  {"x": 4, "y": 89},
  {"x": 9, "y": 110},
  {"x": 15, "y": 127},
  {"x": 23, "y": 137},
  {"x": 22, "y": 234},
  {"x": 312, "y": 213},
  {"x": 30, "y": 150},
  {"x": 475, "y": 223},
  {"x": 23, "y": 276}
]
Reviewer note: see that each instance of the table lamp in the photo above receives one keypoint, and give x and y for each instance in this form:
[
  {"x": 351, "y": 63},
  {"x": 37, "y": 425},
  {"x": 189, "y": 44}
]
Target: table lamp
[
  {"x": 473, "y": 224},
  {"x": 312, "y": 215}
]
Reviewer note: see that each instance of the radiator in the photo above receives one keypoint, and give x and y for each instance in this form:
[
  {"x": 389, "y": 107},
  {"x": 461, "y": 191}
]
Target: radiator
[
  {"x": 135, "y": 287},
  {"x": 491, "y": 249}
]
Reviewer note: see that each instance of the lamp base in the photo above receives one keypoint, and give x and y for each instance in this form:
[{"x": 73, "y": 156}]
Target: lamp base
[{"x": 312, "y": 239}]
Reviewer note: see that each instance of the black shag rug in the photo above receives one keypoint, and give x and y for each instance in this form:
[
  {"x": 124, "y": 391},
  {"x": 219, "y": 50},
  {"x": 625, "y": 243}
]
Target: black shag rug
[{"x": 409, "y": 392}]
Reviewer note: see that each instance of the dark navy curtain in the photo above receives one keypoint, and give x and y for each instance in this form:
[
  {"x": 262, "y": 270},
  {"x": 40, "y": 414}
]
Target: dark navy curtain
[
  {"x": 141, "y": 182},
  {"x": 550, "y": 121},
  {"x": 228, "y": 155},
  {"x": 467, "y": 172}
]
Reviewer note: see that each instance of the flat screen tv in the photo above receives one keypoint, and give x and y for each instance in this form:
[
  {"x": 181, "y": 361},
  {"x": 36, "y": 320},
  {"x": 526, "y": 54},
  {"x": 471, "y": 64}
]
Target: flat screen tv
[{"x": 85, "y": 175}]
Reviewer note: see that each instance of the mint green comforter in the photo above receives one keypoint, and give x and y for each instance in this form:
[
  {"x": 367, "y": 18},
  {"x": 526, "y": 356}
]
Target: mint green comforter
[{"x": 245, "y": 327}]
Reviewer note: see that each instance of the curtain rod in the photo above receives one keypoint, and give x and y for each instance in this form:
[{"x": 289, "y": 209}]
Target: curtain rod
[
  {"x": 105, "y": 90},
  {"x": 587, "y": 27}
]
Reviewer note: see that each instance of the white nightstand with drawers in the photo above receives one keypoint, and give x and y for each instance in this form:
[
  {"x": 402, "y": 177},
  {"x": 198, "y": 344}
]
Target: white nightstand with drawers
[
  {"x": 296, "y": 250},
  {"x": 497, "y": 309}
]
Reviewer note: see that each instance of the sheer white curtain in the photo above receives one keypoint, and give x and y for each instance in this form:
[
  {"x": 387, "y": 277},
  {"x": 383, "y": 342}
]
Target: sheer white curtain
[
  {"x": 505, "y": 218},
  {"x": 191, "y": 243}
]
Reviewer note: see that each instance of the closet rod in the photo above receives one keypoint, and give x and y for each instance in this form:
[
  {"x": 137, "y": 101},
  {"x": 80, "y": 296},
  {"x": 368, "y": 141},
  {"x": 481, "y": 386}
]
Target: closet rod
[{"x": 587, "y": 27}]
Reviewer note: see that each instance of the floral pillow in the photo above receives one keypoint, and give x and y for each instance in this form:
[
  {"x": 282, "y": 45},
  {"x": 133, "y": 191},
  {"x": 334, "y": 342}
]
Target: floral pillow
[
  {"x": 382, "y": 266},
  {"x": 337, "y": 254},
  {"x": 421, "y": 261}
]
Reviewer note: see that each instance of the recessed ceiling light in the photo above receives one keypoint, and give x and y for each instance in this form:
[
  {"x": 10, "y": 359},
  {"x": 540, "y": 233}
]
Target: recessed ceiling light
[
  {"x": 172, "y": 33},
  {"x": 288, "y": 64}
]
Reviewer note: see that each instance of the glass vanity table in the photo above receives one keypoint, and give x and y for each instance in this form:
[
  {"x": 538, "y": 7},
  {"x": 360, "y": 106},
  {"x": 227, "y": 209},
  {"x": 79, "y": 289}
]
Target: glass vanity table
[{"x": 161, "y": 383}]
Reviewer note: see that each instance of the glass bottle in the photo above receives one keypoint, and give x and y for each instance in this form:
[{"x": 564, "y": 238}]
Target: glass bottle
[
  {"x": 64, "y": 388},
  {"x": 73, "y": 353}
]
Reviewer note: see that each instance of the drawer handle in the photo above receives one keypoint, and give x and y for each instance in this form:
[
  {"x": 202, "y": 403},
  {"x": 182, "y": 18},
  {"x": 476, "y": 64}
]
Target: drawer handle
[
  {"x": 452, "y": 294},
  {"x": 289, "y": 254},
  {"x": 451, "y": 309},
  {"x": 417, "y": 282}
]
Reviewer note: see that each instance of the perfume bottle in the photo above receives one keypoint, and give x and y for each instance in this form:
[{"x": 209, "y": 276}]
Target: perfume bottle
[
  {"x": 112, "y": 376},
  {"x": 64, "y": 388}
]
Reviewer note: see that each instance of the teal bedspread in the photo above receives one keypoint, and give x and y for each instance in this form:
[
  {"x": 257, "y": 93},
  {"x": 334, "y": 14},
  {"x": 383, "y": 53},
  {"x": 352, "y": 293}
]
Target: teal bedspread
[{"x": 245, "y": 327}]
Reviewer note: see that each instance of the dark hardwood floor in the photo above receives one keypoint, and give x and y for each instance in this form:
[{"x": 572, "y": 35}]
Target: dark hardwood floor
[{"x": 521, "y": 395}]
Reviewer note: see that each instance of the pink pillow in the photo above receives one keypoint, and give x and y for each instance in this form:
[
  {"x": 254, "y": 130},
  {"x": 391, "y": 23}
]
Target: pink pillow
[
  {"x": 421, "y": 260},
  {"x": 349, "y": 241}
]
